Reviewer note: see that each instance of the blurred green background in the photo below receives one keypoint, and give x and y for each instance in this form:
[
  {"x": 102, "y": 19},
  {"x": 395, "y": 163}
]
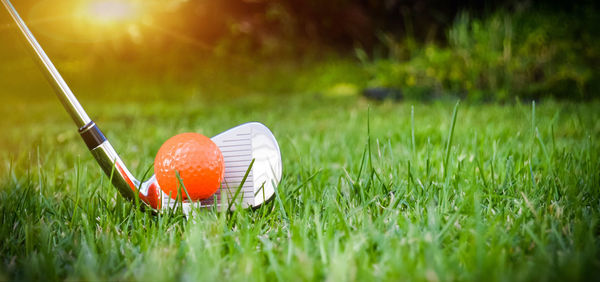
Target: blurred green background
[
  {"x": 491, "y": 50},
  {"x": 236, "y": 51}
]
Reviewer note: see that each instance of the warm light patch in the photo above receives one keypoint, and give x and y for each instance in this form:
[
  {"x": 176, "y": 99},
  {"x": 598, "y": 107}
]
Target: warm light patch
[{"x": 108, "y": 12}]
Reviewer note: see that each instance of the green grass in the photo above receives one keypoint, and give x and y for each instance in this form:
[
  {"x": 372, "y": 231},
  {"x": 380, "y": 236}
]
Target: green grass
[{"x": 369, "y": 191}]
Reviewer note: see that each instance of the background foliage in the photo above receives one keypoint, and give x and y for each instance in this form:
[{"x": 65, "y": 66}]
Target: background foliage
[
  {"x": 423, "y": 49},
  {"x": 524, "y": 54}
]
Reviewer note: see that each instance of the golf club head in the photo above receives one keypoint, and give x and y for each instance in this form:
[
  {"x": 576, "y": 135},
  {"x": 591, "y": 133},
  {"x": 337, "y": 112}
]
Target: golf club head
[
  {"x": 252, "y": 171},
  {"x": 250, "y": 149}
]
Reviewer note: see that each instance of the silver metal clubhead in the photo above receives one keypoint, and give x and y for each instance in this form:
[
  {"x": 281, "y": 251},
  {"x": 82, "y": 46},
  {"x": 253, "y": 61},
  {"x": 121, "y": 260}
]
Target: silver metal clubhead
[{"x": 240, "y": 146}]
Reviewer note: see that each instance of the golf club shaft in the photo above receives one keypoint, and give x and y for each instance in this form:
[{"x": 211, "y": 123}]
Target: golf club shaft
[
  {"x": 101, "y": 149},
  {"x": 63, "y": 92}
]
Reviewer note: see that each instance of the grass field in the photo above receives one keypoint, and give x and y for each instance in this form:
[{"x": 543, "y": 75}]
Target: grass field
[{"x": 378, "y": 191}]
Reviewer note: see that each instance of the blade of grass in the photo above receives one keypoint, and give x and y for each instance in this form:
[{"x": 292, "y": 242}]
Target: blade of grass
[{"x": 449, "y": 140}]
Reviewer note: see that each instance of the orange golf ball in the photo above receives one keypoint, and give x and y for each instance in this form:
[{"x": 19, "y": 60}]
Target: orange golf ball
[{"x": 197, "y": 159}]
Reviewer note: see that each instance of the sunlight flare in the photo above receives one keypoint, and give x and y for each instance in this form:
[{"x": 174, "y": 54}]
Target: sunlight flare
[{"x": 108, "y": 12}]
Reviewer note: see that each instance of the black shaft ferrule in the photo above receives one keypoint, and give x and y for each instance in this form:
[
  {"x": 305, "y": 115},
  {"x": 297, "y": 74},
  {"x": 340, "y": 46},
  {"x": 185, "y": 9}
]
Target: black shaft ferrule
[{"x": 92, "y": 136}]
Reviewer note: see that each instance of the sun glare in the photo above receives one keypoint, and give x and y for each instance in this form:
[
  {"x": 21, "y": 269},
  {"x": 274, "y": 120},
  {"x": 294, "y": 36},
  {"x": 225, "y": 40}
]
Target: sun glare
[{"x": 108, "y": 12}]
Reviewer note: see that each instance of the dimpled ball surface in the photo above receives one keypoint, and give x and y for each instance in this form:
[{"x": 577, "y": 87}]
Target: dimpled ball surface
[{"x": 199, "y": 162}]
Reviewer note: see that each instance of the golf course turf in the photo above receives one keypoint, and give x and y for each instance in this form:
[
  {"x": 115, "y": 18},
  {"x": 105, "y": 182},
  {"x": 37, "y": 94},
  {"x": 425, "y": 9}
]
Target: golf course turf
[{"x": 436, "y": 191}]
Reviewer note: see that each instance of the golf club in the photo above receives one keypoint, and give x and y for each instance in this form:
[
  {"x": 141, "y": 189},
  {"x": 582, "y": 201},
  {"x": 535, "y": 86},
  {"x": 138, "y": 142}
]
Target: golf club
[{"x": 250, "y": 151}]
